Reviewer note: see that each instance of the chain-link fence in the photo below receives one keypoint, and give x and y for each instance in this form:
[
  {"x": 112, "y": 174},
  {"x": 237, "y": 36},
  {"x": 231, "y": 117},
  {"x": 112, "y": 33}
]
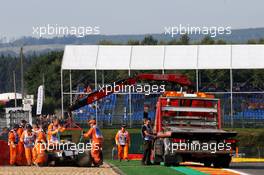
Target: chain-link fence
[
  {"x": 13, "y": 117},
  {"x": 241, "y": 95},
  {"x": 242, "y": 101},
  {"x": 3, "y": 121},
  {"x": 251, "y": 151}
]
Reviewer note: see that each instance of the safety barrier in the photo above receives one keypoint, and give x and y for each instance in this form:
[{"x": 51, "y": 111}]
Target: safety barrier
[{"x": 4, "y": 152}]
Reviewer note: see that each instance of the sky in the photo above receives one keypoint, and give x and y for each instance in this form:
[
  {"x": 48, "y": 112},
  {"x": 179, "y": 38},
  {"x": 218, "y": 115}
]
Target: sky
[{"x": 18, "y": 17}]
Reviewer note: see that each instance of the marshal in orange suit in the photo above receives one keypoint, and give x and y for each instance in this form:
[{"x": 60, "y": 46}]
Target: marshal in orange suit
[
  {"x": 12, "y": 142},
  {"x": 28, "y": 137},
  {"x": 21, "y": 157},
  {"x": 39, "y": 155},
  {"x": 97, "y": 140},
  {"x": 53, "y": 130},
  {"x": 122, "y": 140}
]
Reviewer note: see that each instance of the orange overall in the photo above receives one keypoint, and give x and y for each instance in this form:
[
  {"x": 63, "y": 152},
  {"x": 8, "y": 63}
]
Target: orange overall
[
  {"x": 21, "y": 158},
  {"x": 28, "y": 138},
  {"x": 39, "y": 155},
  {"x": 12, "y": 142},
  {"x": 97, "y": 140},
  {"x": 123, "y": 141},
  {"x": 52, "y": 131}
]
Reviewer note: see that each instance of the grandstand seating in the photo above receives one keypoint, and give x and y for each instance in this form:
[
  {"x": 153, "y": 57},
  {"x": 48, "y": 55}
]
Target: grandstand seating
[
  {"x": 109, "y": 103},
  {"x": 252, "y": 111}
]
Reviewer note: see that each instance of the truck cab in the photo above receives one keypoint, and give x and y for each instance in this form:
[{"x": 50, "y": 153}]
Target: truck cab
[{"x": 188, "y": 128}]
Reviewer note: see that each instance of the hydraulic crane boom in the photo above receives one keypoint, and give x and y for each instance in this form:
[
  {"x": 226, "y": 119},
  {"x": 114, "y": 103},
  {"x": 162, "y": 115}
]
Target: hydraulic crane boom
[{"x": 103, "y": 92}]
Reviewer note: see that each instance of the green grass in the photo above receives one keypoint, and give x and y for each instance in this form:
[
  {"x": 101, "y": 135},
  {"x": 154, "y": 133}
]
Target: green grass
[{"x": 134, "y": 167}]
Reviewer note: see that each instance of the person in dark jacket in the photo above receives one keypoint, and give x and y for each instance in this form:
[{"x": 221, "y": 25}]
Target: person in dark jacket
[{"x": 148, "y": 137}]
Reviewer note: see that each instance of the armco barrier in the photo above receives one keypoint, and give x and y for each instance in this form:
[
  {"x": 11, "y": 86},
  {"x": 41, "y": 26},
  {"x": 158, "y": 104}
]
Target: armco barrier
[{"x": 4, "y": 153}]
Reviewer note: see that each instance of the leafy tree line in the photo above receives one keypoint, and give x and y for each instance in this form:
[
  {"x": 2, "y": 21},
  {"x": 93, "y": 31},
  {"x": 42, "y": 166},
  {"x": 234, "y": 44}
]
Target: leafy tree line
[
  {"x": 184, "y": 40},
  {"x": 8, "y": 64},
  {"x": 49, "y": 65}
]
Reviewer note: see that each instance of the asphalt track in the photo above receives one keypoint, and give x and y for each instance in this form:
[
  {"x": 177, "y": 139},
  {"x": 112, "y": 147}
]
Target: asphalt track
[
  {"x": 235, "y": 169},
  {"x": 33, "y": 170},
  {"x": 249, "y": 168},
  {"x": 186, "y": 168}
]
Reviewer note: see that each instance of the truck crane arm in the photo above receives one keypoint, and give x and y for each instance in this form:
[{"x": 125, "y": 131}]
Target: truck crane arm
[{"x": 105, "y": 91}]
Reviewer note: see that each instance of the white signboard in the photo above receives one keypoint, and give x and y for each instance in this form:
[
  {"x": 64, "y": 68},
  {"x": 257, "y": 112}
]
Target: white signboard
[{"x": 40, "y": 99}]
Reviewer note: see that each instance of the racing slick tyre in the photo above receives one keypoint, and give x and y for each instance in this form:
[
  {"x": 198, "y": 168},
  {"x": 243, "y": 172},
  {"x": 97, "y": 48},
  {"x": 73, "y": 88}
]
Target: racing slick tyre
[
  {"x": 102, "y": 159},
  {"x": 225, "y": 161},
  {"x": 84, "y": 159}
]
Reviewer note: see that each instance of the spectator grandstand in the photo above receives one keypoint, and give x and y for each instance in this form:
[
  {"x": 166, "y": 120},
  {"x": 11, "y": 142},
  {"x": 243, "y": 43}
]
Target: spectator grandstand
[
  {"x": 108, "y": 111},
  {"x": 114, "y": 109}
]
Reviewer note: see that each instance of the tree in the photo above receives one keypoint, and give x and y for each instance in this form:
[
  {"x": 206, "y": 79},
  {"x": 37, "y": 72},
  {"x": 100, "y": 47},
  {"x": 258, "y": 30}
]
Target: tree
[
  {"x": 133, "y": 42},
  {"x": 257, "y": 141},
  {"x": 2, "y": 110},
  {"x": 207, "y": 40},
  {"x": 149, "y": 40},
  {"x": 220, "y": 41},
  {"x": 105, "y": 42},
  {"x": 252, "y": 41},
  {"x": 173, "y": 42},
  {"x": 184, "y": 39},
  {"x": 49, "y": 65},
  {"x": 261, "y": 41},
  {"x": 162, "y": 42}
]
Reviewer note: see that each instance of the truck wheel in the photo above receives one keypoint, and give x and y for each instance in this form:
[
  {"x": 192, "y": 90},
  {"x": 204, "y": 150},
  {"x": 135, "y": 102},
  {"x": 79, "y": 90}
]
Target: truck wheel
[
  {"x": 84, "y": 159},
  {"x": 217, "y": 164},
  {"x": 102, "y": 158},
  {"x": 222, "y": 161},
  {"x": 167, "y": 163},
  {"x": 225, "y": 161},
  {"x": 167, "y": 160},
  {"x": 207, "y": 163},
  {"x": 157, "y": 160},
  {"x": 176, "y": 164},
  {"x": 172, "y": 160},
  {"x": 225, "y": 164}
]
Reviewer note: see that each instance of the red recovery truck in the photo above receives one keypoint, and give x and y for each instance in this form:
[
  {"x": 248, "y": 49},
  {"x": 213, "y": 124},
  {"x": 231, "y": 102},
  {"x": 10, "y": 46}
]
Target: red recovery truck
[{"x": 188, "y": 128}]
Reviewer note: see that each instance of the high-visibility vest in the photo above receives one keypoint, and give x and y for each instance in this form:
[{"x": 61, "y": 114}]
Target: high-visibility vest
[
  {"x": 54, "y": 137},
  {"x": 122, "y": 137},
  {"x": 98, "y": 133},
  {"x": 40, "y": 135},
  {"x": 29, "y": 139}
]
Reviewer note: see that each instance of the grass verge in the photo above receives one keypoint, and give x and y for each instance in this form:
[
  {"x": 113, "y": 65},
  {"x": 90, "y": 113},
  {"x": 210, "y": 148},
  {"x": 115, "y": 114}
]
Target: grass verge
[{"x": 134, "y": 167}]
